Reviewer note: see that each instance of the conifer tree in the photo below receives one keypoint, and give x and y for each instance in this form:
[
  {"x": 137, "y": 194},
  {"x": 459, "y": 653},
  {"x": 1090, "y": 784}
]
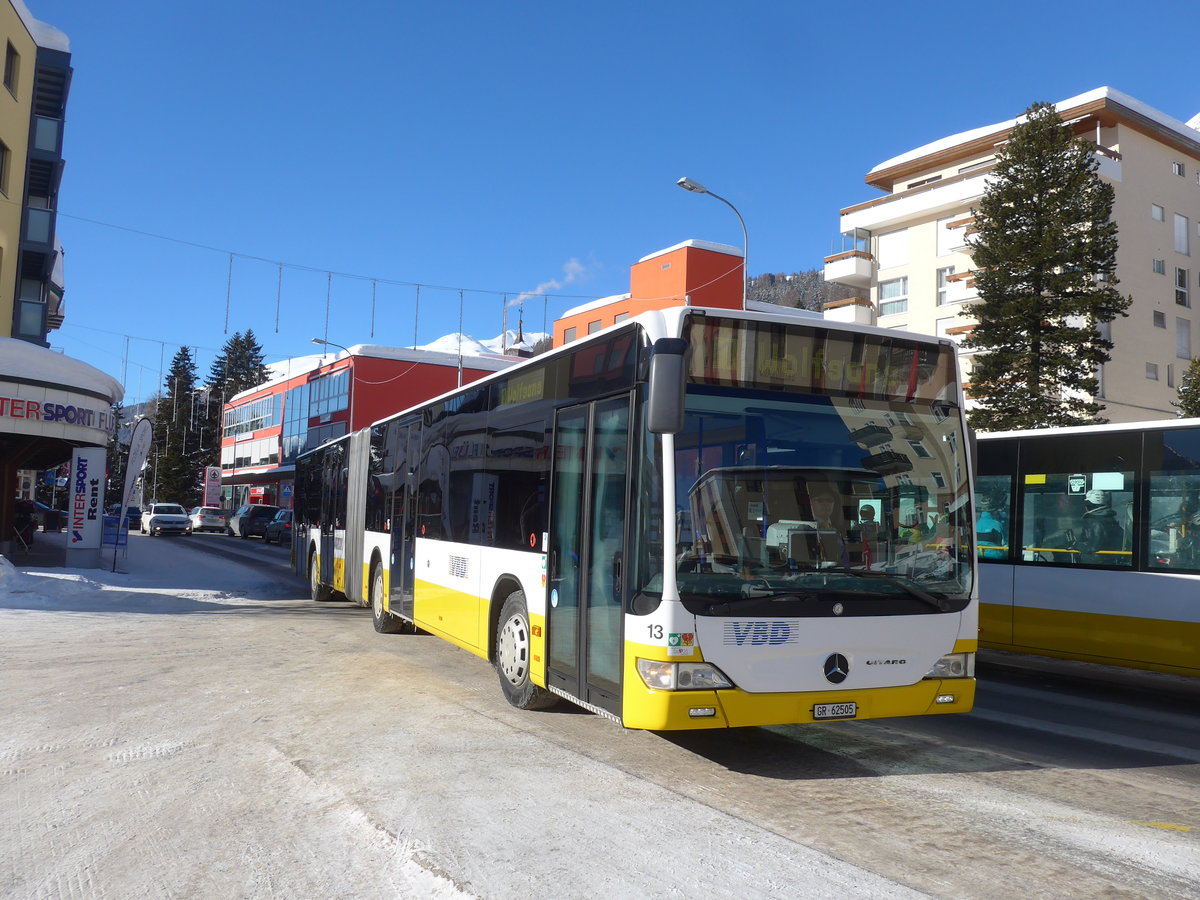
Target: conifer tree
[
  {"x": 1188, "y": 400},
  {"x": 238, "y": 367},
  {"x": 176, "y": 476},
  {"x": 1045, "y": 258}
]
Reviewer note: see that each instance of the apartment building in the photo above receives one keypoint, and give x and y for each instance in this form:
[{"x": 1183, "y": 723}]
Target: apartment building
[
  {"x": 37, "y": 77},
  {"x": 908, "y": 252},
  {"x": 53, "y": 409}
]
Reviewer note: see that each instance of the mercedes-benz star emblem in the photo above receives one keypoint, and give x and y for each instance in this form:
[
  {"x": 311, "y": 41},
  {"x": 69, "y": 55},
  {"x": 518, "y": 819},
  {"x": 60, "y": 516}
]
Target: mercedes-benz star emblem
[{"x": 837, "y": 667}]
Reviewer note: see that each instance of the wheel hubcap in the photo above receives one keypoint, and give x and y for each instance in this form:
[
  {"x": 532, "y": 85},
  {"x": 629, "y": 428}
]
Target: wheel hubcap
[
  {"x": 513, "y": 650},
  {"x": 377, "y": 596}
]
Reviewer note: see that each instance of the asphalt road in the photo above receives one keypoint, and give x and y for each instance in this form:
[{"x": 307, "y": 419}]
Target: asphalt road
[{"x": 252, "y": 743}]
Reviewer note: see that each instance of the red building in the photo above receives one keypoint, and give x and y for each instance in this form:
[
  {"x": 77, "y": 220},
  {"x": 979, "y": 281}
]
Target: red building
[{"x": 320, "y": 398}]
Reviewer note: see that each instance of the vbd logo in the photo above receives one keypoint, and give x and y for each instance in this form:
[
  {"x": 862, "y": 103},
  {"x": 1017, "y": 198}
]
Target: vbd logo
[{"x": 760, "y": 634}]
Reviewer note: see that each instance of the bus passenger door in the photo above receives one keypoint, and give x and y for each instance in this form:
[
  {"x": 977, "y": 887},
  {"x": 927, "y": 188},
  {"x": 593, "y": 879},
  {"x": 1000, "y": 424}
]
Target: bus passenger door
[
  {"x": 403, "y": 523},
  {"x": 587, "y": 551}
]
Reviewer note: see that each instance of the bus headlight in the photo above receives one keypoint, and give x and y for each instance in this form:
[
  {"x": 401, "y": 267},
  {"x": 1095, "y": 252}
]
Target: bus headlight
[
  {"x": 953, "y": 665},
  {"x": 669, "y": 676}
]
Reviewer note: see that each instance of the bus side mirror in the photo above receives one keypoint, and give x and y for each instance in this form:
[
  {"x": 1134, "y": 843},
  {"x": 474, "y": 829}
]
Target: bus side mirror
[{"x": 668, "y": 371}]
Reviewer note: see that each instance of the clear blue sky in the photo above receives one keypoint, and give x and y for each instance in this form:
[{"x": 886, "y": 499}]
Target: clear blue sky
[{"x": 505, "y": 147}]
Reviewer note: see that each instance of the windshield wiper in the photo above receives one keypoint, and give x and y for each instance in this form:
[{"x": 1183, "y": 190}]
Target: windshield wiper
[
  {"x": 941, "y": 604},
  {"x": 749, "y": 599}
]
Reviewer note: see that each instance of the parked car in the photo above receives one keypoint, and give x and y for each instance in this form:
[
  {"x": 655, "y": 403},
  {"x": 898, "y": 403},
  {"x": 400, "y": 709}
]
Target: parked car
[
  {"x": 251, "y": 518},
  {"x": 279, "y": 529},
  {"x": 165, "y": 518},
  {"x": 133, "y": 515},
  {"x": 207, "y": 518}
]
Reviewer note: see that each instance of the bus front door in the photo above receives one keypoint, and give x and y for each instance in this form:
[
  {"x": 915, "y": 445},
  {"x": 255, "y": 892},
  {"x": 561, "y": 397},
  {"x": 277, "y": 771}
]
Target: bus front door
[{"x": 587, "y": 552}]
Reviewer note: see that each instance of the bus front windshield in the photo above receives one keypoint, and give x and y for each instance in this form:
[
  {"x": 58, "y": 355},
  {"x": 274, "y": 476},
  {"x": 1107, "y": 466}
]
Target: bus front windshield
[{"x": 808, "y": 505}]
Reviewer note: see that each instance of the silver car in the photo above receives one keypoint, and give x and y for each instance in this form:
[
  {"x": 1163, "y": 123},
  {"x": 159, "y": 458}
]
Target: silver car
[
  {"x": 165, "y": 518},
  {"x": 207, "y": 518}
]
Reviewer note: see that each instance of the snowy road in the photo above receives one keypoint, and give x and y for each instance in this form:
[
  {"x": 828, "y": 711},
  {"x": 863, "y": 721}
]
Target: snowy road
[{"x": 202, "y": 730}]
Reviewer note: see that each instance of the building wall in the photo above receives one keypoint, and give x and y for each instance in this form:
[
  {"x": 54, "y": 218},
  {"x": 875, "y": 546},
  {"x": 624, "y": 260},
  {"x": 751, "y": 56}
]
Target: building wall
[
  {"x": 379, "y": 387},
  {"x": 694, "y": 272},
  {"x": 1140, "y": 170},
  {"x": 1147, "y": 180},
  {"x": 15, "y": 110}
]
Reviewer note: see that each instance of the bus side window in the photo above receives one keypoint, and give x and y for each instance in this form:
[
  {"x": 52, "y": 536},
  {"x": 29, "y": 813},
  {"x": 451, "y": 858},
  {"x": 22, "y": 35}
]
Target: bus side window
[{"x": 992, "y": 525}]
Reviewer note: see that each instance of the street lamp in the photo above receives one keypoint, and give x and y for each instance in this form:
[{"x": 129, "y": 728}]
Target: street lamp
[
  {"x": 332, "y": 344},
  {"x": 696, "y": 187}
]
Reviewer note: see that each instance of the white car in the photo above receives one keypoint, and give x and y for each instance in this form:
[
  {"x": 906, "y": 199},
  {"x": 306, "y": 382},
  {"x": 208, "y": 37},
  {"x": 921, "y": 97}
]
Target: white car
[
  {"x": 165, "y": 518},
  {"x": 207, "y": 518}
]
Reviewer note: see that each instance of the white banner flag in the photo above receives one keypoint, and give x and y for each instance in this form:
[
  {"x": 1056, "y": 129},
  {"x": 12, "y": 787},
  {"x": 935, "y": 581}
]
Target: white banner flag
[{"x": 139, "y": 449}]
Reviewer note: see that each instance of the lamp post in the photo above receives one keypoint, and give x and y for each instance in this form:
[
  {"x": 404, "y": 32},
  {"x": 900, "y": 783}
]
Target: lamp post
[
  {"x": 696, "y": 187},
  {"x": 319, "y": 341}
]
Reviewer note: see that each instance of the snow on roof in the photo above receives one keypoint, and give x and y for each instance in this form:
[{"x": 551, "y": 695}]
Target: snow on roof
[
  {"x": 30, "y": 362},
  {"x": 701, "y": 245},
  {"x": 595, "y": 304},
  {"x": 43, "y": 35},
  {"x": 1188, "y": 130},
  {"x": 444, "y": 352}
]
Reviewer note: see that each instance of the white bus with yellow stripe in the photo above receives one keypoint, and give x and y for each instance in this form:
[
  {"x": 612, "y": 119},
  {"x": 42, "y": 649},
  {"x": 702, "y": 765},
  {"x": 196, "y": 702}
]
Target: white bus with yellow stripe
[
  {"x": 626, "y": 523},
  {"x": 1054, "y": 584}
]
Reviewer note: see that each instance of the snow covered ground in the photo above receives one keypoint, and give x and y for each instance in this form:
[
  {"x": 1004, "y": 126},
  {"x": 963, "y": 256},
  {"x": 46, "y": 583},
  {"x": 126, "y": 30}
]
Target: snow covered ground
[{"x": 199, "y": 728}]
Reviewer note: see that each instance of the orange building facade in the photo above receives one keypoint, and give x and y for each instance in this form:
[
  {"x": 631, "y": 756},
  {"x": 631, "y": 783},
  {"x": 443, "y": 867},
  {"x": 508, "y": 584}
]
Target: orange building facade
[{"x": 693, "y": 273}]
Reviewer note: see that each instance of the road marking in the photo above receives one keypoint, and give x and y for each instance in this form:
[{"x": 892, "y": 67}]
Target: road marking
[
  {"x": 1090, "y": 734},
  {"x": 1165, "y": 826}
]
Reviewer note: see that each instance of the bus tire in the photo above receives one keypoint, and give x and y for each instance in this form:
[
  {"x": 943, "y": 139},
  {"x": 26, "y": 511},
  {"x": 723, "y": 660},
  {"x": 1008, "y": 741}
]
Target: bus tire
[
  {"x": 319, "y": 592},
  {"x": 514, "y": 655},
  {"x": 384, "y": 621}
]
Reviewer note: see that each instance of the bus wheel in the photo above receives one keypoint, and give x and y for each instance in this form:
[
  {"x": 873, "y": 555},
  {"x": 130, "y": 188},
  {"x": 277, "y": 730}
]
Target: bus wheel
[
  {"x": 384, "y": 621},
  {"x": 514, "y": 653},
  {"x": 319, "y": 592}
]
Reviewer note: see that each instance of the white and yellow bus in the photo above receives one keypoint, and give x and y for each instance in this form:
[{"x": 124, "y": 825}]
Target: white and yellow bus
[
  {"x": 1090, "y": 543},
  {"x": 626, "y": 522}
]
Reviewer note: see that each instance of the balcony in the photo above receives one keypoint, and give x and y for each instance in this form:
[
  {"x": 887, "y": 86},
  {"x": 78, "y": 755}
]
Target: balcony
[{"x": 853, "y": 268}]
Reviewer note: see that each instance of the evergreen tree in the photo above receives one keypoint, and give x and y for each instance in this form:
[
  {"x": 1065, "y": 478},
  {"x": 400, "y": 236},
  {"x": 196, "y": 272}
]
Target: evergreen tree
[
  {"x": 238, "y": 367},
  {"x": 117, "y": 454},
  {"x": 176, "y": 475},
  {"x": 1045, "y": 257},
  {"x": 1188, "y": 401}
]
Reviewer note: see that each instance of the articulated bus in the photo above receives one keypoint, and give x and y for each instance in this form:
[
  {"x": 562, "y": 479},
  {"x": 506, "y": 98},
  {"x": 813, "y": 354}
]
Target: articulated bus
[
  {"x": 696, "y": 518},
  {"x": 1089, "y": 539}
]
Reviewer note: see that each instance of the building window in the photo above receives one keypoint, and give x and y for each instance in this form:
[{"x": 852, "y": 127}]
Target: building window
[
  {"x": 620, "y": 317},
  {"x": 1158, "y": 213},
  {"x": 1181, "y": 287},
  {"x": 12, "y": 68},
  {"x": 1160, "y": 319},
  {"x": 923, "y": 182},
  {"x": 1183, "y": 338},
  {"x": 1170, "y": 375},
  {"x": 593, "y": 327},
  {"x": 5, "y": 157},
  {"x": 893, "y": 296},
  {"x": 1152, "y": 371},
  {"x": 1159, "y": 266},
  {"x": 891, "y": 249},
  {"x": 950, "y": 239},
  {"x": 1181, "y": 235},
  {"x": 971, "y": 167},
  {"x": 1177, "y": 168},
  {"x": 943, "y": 285},
  {"x": 568, "y": 335}
]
